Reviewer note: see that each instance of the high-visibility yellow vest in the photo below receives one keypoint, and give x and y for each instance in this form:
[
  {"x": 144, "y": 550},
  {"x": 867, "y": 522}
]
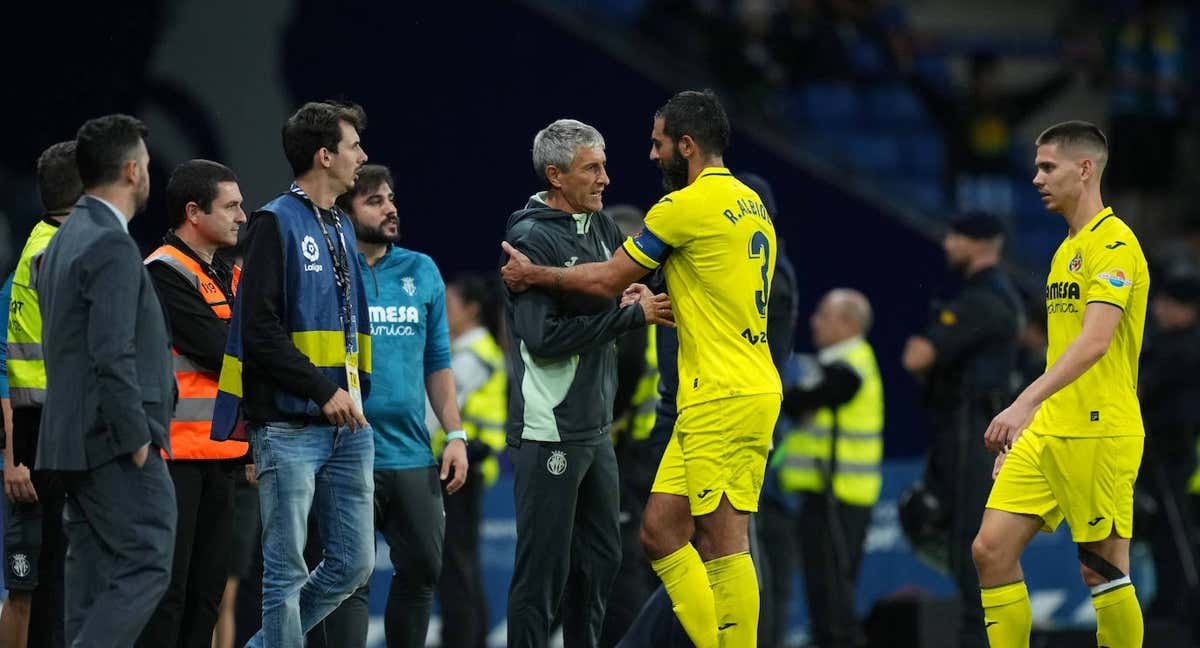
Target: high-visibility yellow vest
[
  {"x": 857, "y": 425},
  {"x": 192, "y": 420},
  {"x": 638, "y": 422},
  {"x": 26, "y": 364},
  {"x": 486, "y": 410}
]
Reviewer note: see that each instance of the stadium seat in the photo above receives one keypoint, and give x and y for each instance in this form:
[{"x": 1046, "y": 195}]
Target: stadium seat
[
  {"x": 923, "y": 152},
  {"x": 868, "y": 58},
  {"x": 878, "y": 152},
  {"x": 896, "y": 106},
  {"x": 827, "y": 105}
]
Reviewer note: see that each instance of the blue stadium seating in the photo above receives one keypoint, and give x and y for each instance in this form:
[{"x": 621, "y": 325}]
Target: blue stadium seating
[
  {"x": 828, "y": 105},
  {"x": 874, "y": 151},
  {"x": 895, "y": 105}
]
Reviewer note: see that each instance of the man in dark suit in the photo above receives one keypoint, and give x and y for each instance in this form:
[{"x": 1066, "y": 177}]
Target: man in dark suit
[{"x": 109, "y": 394}]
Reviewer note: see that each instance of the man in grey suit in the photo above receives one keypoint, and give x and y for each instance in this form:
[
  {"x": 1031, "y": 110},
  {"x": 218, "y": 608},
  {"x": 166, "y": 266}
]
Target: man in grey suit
[{"x": 110, "y": 390}]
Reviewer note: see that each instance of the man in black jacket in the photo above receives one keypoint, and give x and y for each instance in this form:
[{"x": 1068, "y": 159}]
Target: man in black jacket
[
  {"x": 196, "y": 287},
  {"x": 1169, "y": 387},
  {"x": 968, "y": 358},
  {"x": 563, "y": 363}
]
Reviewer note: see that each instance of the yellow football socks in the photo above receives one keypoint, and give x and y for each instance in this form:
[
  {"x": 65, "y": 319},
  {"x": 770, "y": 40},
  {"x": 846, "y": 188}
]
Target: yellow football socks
[
  {"x": 735, "y": 591},
  {"x": 1007, "y": 615},
  {"x": 1118, "y": 616},
  {"x": 684, "y": 576}
]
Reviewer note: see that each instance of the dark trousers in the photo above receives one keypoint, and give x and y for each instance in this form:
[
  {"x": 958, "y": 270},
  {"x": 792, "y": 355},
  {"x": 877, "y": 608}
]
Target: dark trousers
[
  {"x": 656, "y": 625},
  {"x": 120, "y": 523},
  {"x": 460, "y": 592},
  {"x": 409, "y": 514},
  {"x": 247, "y": 562},
  {"x": 568, "y": 510},
  {"x": 831, "y": 548},
  {"x": 962, "y": 479},
  {"x": 777, "y": 534},
  {"x": 35, "y": 548},
  {"x": 1167, "y": 467},
  {"x": 635, "y": 581},
  {"x": 203, "y": 543}
]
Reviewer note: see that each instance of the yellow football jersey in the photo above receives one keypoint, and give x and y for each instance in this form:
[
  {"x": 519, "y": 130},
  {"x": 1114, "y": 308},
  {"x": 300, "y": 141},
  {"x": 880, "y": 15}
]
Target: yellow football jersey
[
  {"x": 1103, "y": 263},
  {"x": 718, "y": 244}
]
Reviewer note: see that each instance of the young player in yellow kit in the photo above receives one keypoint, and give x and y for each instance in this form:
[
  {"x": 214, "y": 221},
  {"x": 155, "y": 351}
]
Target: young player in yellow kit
[
  {"x": 1074, "y": 437},
  {"x": 717, "y": 245}
]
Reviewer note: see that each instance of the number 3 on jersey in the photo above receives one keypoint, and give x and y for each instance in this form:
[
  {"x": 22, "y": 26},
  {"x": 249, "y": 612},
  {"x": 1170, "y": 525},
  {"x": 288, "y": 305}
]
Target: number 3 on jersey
[{"x": 760, "y": 248}]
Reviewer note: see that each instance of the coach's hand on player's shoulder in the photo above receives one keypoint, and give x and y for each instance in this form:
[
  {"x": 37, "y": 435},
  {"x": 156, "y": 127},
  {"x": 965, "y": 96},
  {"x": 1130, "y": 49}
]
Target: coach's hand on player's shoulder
[
  {"x": 1007, "y": 426},
  {"x": 341, "y": 411},
  {"x": 516, "y": 271},
  {"x": 657, "y": 309},
  {"x": 18, "y": 486},
  {"x": 454, "y": 462}
]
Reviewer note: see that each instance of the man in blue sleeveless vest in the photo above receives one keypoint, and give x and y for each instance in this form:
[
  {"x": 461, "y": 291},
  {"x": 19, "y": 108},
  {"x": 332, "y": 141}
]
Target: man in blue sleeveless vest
[{"x": 297, "y": 366}]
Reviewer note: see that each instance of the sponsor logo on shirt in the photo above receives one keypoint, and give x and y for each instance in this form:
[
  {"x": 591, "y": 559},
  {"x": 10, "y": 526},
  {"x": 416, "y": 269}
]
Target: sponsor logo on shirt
[
  {"x": 1059, "y": 295},
  {"x": 393, "y": 320},
  {"x": 1115, "y": 278}
]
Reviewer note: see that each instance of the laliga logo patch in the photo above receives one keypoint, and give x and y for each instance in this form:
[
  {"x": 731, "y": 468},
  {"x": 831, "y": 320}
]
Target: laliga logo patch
[
  {"x": 1076, "y": 263},
  {"x": 557, "y": 463},
  {"x": 309, "y": 248},
  {"x": 1115, "y": 278}
]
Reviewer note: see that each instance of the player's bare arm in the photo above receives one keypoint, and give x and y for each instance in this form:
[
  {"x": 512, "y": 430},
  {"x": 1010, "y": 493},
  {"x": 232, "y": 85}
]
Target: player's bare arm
[
  {"x": 1099, "y": 323},
  {"x": 607, "y": 279}
]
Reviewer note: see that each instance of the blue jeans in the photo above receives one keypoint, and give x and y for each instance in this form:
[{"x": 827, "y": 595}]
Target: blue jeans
[{"x": 300, "y": 466}]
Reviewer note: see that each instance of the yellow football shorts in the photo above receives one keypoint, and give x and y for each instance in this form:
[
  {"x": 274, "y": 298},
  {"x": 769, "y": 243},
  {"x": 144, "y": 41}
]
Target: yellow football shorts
[
  {"x": 719, "y": 447},
  {"x": 1086, "y": 480}
]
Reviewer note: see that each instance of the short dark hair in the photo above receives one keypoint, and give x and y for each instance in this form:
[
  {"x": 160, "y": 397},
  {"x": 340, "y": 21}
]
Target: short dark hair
[
  {"x": 370, "y": 178},
  {"x": 1075, "y": 132},
  {"x": 103, "y": 145},
  {"x": 484, "y": 291},
  {"x": 194, "y": 181},
  {"x": 316, "y": 125},
  {"x": 699, "y": 114},
  {"x": 58, "y": 178}
]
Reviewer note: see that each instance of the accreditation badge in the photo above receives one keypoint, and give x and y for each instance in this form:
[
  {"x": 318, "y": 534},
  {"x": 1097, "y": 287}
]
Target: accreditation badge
[{"x": 352, "y": 380}]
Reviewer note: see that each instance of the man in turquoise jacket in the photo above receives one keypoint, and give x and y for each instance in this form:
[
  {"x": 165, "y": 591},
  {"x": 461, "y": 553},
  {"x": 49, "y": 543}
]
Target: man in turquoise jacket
[{"x": 411, "y": 347}]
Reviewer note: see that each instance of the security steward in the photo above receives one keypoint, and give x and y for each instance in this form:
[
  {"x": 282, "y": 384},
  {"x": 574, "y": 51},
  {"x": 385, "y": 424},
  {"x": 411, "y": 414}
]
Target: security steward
[
  {"x": 967, "y": 358},
  {"x": 196, "y": 288},
  {"x": 34, "y": 541},
  {"x": 832, "y": 459}
]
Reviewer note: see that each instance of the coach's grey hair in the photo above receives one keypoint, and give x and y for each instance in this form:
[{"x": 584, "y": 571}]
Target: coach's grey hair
[{"x": 557, "y": 144}]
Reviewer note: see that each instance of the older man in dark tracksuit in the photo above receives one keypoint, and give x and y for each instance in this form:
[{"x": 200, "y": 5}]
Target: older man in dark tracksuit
[{"x": 563, "y": 361}]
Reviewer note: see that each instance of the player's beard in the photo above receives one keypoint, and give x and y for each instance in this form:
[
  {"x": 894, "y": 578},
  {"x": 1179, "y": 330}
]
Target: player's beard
[
  {"x": 375, "y": 235},
  {"x": 675, "y": 172}
]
